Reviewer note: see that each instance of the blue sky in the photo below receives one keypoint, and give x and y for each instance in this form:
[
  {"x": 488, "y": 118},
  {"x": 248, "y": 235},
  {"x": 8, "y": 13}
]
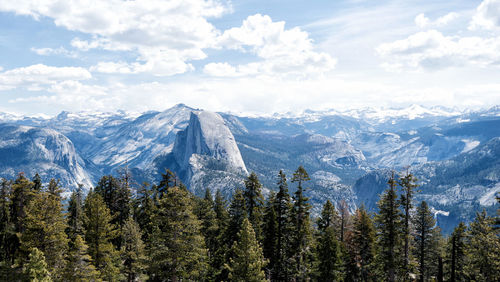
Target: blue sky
[{"x": 254, "y": 57}]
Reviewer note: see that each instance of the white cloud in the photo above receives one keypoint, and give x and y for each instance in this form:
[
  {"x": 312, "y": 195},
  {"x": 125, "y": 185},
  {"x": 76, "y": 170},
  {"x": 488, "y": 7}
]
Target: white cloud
[
  {"x": 34, "y": 75},
  {"x": 51, "y": 51},
  {"x": 487, "y": 16},
  {"x": 164, "y": 34},
  {"x": 281, "y": 51},
  {"x": 424, "y": 22},
  {"x": 219, "y": 69},
  {"x": 432, "y": 50}
]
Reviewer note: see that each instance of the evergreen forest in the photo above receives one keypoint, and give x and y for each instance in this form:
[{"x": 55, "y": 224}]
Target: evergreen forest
[{"x": 162, "y": 232}]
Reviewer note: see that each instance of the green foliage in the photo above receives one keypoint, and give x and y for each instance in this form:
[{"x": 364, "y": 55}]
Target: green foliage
[
  {"x": 302, "y": 235},
  {"x": 483, "y": 254},
  {"x": 179, "y": 248},
  {"x": 174, "y": 236},
  {"x": 79, "y": 266},
  {"x": 36, "y": 268},
  {"x": 364, "y": 244},
  {"x": 408, "y": 186},
  {"x": 247, "y": 262},
  {"x": 132, "y": 251},
  {"x": 270, "y": 242},
  {"x": 426, "y": 239},
  {"x": 254, "y": 202},
  {"x": 283, "y": 267},
  {"x": 204, "y": 211},
  {"x": 329, "y": 217},
  {"x": 45, "y": 227},
  {"x": 456, "y": 253},
  {"x": 388, "y": 227},
  {"x": 75, "y": 214},
  {"x": 99, "y": 231},
  {"x": 328, "y": 252}
]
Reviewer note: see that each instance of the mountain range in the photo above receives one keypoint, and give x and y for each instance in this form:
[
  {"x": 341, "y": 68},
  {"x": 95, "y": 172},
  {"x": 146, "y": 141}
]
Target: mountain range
[{"x": 349, "y": 154}]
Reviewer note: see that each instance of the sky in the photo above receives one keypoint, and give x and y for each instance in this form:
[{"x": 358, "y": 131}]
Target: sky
[{"x": 247, "y": 56}]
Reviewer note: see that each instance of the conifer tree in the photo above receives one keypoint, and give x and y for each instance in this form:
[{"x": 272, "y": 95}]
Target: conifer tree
[
  {"x": 283, "y": 264},
  {"x": 237, "y": 212},
  {"x": 36, "y": 268},
  {"x": 408, "y": 187},
  {"x": 483, "y": 252},
  {"x": 388, "y": 228},
  {"x": 270, "y": 233},
  {"x": 45, "y": 227},
  {"x": 37, "y": 182},
  {"x": 456, "y": 253},
  {"x": 364, "y": 244},
  {"x": 144, "y": 211},
  {"x": 75, "y": 214},
  {"x": 115, "y": 193},
  {"x": 168, "y": 180},
  {"x": 425, "y": 240},
  {"x": 329, "y": 255},
  {"x": 204, "y": 210},
  {"x": 7, "y": 233},
  {"x": 79, "y": 266},
  {"x": 99, "y": 231},
  {"x": 302, "y": 227},
  {"x": 132, "y": 251},
  {"x": 178, "y": 251},
  {"x": 222, "y": 248},
  {"x": 329, "y": 218},
  {"x": 247, "y": 261},
  {"x": 254, "y": 202},
  {"x": 21, "y": 195}
]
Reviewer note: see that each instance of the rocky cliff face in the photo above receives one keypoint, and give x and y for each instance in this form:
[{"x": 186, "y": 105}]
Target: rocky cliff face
[
  {"x": 45, "y": 151},
  {"x": 205, "y": 154}
]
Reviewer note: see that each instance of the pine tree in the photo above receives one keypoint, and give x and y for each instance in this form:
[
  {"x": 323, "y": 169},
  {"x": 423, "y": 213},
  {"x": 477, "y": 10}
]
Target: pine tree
[
  {"x": 99, "y": 231},
  {"x": 388, "y": 227},
  {"x": 37, "y": 182},
  {"x": 237, "y": 212},
  {"x": 483, "y": 252},
  {"x": 168, "y": 180},
  {"x": 45, "y": 227},
  {"x": 329, "y": 218},
  {"x": 247, "y": 262},
  {"x": 79, "y": 266},
  {"x": 7, "y": 233},
  {"x": 329, "y": 256},
  {"x": 144, "y": 211},
  {"x": 425, "y": 240},
  {"x": 116, "y": 195},
  {"x": 364, "y": 244},
  {"x": 36, "y": 268},
  {"x": 302, "y": 227},
  {"x": 408, "y": 187},
  {"x": 75, "y": 214},
  {"x": 222, "y": 247},
  {"x": 132, "y": 251},
  {"x": 283, "y": 264},
  {"x": 456, "y": 253},
  {"x": 21, "y": 195},
  {"x": 204, "y": 211},
  {"x": 178, "y": 250},
  {"x": 270, "y": 233},
  {"x": 254, "y": 202}
]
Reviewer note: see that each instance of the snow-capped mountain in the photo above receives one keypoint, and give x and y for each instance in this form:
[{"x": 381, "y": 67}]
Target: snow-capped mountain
[
  {"x": 205, "y": 154},
  {"x": 348, "y": 154},
  {"x": 45, "y": 151}
]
